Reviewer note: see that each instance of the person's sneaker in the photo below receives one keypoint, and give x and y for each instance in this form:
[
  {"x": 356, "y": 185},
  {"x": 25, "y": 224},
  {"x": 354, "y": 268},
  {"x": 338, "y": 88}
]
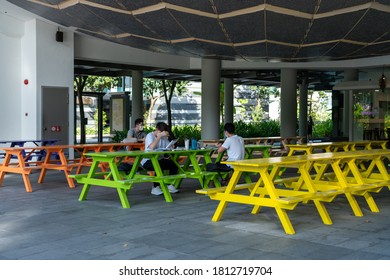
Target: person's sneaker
[
  {"x": 156, "y": 191},
  {"x": 172, "y": 189}
]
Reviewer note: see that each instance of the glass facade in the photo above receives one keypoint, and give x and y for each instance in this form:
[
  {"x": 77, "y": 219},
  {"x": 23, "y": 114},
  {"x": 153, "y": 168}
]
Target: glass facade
[{"x": 371, "y": 114}]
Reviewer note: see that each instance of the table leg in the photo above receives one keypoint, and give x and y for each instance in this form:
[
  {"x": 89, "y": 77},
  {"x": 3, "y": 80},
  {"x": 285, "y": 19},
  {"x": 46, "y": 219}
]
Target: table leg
[
  {"x": 223, "y": 203},
  {"x": 343, "y": 184},
  {"x": 20, "y": 169},
  {"x": 285, "y": 220},
  {"x": 43, "y": 170},
  {"x": 25, "y": 175},
  {"x": 7, "y": 159},
  {"x": 310, "y": 185},
  {"x": 282, "y": 214},
  {"x": 67, "y": 169},
  {"x": 122, "y": 193},
  {"x": 159, "y": 173},
  {"x": 91, "y": 174},
  {"x": 359, "y": 179}
]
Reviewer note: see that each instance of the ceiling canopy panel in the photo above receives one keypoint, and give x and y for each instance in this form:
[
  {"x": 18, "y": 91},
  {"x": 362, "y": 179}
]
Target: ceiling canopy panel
[
  {"x": 328, "y": 29},
  {"x": 169, "y": 29},
  {"x": 285, "y": 29},
  {"x": 303, "y": 6},
  {"x": 297, "y": 30},
  {"x": 254, "y": 51},
  {"x": 328, "y": 6},
  {"x": 254, "y": 24},
  {"x": 242, "y": 30},
  {"x": 364, "y": 31},
  {"x": 200, "y": 5},
  {"x": 203, "y": 28}
]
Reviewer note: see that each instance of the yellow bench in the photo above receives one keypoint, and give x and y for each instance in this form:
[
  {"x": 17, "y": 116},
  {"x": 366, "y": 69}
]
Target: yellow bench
[{"x": 319, "y": 187}]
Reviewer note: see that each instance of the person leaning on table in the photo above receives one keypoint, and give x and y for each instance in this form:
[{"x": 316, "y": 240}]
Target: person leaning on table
[
  {"x": 233, "y": 144},
  {"x": 158, "y": 139}
]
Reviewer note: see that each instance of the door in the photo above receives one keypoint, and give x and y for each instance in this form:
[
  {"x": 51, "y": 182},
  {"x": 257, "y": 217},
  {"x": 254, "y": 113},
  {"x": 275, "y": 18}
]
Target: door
[{"x": 55, "y": 115}]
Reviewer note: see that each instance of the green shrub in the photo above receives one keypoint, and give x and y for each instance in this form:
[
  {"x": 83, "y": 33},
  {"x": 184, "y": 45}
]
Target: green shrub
[
  {"x": 182, "y": 132},
  {"x": 323, "y": 129},
  {"x": 119, "y": 135},
  {"x": 255, "y": 129},
  {"x": 267, "y": 128}
]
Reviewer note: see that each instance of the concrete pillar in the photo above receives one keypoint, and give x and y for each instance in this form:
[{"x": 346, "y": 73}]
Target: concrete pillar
[
  {"x": 137, "y": 102},
  {"x": 303, "y": 117},
  {"x": 228, "y": 100},
  {"x": 288, "y": 103},
  {"x": 349, "y": 75},
  {"x": 211, "y": 75}
]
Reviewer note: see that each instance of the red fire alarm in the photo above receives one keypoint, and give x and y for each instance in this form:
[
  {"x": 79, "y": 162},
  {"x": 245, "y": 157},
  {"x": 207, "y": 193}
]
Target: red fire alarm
[{"x": 25, "y": 81}]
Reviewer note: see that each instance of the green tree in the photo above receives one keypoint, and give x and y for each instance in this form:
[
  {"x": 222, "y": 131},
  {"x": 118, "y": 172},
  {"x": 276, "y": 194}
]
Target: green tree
[
  {"x": 169, "y": 89},
  {"x": 317, "y": 106},
  {"x": 258, "y": 113},
  {"x": 151, "y": 90},
  {"x": 261, "y": 95},
  {"x": 80, "y": 82},
  {"x": 101, "y": 84}
]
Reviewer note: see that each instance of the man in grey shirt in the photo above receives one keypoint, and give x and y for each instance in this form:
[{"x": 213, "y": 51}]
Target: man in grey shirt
[{"x": 137, "y": 131}]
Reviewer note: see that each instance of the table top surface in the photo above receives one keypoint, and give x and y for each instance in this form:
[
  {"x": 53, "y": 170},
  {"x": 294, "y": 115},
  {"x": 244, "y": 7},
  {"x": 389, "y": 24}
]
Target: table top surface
[
  {"x": 148, "y": 152},
  {"x": 25, "y": 141},
  {"x": 73, "y": 146},
  {"x": 258, "y": 162},
  {"x": 319, "y": 144}
]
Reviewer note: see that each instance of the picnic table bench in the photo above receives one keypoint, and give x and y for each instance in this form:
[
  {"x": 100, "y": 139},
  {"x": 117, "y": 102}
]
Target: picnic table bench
[
  {"x": 50, "y": 157},
  {"x": 348, "y": 179},
  {"x": 309, "y": 148},
  {"x": 123, "y": 182}
]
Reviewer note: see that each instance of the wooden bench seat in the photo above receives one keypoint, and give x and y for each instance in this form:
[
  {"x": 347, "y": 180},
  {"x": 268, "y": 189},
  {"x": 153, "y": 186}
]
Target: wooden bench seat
[
  {"x": 222, "y": 189},
  {"x": 125, "y": 183},
  {"x": 322, "y": 195},
  {"x": 151, "y": 179},
  {"x": 326, "y": 195},
  {"x": 84, "y": 175}
]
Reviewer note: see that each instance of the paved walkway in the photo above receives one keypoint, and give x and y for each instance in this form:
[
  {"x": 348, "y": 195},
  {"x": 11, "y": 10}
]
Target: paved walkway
[{"x": 50, "y": 223}]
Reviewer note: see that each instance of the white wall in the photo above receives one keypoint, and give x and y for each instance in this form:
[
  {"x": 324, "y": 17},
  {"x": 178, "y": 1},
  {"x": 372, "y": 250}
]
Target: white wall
[
  {"x": 11, "y": 31},
  {"x": 55, "y": 68},
  {"x": 90, "y": 48},
  {"x": 29, "y": 92},
  {"x": 28, "y": 50}
]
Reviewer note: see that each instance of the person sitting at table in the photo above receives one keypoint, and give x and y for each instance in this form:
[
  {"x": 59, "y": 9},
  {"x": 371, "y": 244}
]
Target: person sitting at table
[
  {"x": 233, "y": 144},
  {"x": 138, "y": 130},
  {"x": 157, "y": 139}
]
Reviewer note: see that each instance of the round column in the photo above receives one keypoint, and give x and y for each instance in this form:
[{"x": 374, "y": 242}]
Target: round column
[
  {"x": 228, "y": 100},
  {"x": 211, "y": 75},
  {"x": 137, "y": 96},
  {"x": 288, "y": 103}
]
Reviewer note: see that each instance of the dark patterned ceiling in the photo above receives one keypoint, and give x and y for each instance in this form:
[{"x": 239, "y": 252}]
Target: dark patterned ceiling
[{"x": 249, "y": 30}]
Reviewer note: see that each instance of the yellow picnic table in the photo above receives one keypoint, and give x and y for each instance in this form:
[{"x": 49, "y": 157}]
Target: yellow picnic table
[
  {"x": 346, "y": 178},
  {"x": 309, "y": 148}
]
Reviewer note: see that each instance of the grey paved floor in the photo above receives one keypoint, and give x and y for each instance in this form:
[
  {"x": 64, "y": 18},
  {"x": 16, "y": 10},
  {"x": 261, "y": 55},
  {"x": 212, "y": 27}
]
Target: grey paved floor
[{"x": 51, "y": 223}]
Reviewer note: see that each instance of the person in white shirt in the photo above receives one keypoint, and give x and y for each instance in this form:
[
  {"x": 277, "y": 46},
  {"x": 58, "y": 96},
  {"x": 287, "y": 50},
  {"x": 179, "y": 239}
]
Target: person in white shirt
[
  {"x": 233, "y": 144},
  {"x": 159, "y": 138}
]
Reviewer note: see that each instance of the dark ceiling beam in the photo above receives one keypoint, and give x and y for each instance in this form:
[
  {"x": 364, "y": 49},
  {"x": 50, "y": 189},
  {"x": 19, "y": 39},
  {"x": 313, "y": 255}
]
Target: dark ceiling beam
[{"x": 243, "y": 76}]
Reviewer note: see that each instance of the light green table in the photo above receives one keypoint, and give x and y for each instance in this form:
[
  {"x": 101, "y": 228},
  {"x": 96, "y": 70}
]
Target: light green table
[{"x": 123, "y": 182}]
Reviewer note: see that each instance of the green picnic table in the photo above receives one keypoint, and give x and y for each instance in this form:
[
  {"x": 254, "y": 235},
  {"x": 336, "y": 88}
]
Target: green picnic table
[{"x": 122, "y": 182}]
